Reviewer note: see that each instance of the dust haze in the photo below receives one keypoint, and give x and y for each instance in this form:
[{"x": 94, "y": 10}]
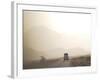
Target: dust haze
[{"x": 50, "y": 34}]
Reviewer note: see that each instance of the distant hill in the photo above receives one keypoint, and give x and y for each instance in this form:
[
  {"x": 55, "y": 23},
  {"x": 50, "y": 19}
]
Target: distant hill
[
  {"x": 42, "y": 41},
  {"x": 30, "y": 54}
]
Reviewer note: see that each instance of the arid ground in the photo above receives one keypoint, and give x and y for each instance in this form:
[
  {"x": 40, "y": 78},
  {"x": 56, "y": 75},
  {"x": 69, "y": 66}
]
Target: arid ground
[{"x": 54, "y": 63}]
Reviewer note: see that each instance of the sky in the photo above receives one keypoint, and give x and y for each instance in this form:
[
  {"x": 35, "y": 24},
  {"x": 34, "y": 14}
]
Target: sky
[{"x": 46, "y": 31}]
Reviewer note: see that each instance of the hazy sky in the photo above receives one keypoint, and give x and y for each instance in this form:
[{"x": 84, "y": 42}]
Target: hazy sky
[{"x": 45, "y": 31}]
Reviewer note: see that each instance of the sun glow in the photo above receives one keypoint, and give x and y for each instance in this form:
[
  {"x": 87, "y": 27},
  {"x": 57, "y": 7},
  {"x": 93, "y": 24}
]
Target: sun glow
[
  {"x": 70, "y": 23},
  {"x": 50, "y": 29}
]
